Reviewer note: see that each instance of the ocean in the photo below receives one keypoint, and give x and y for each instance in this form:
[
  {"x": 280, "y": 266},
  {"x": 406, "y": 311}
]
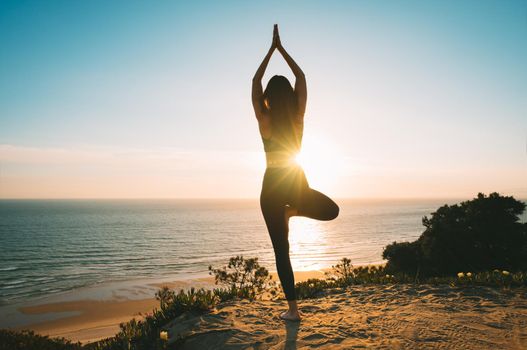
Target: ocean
[{"x": 54, "y": 246}]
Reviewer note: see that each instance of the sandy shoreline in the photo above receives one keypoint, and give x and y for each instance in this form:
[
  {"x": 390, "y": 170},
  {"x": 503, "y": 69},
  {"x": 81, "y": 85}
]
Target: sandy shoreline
[{"x": 89, "y": 320}]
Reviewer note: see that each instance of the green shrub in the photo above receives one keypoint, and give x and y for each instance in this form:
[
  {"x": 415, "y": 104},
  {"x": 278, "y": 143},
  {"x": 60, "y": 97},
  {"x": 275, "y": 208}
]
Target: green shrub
[
  {"x": 403, "y": 257},
  {"x": 477, "y": 235},
  {"x": 244, "y": 278},
  {"x": 341, "y": 271},
  {"x": 312, "y": 288},
  {"x": 28, "y": 340}
]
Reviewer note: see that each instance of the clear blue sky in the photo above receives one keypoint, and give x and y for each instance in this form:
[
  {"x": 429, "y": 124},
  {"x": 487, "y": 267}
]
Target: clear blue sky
[{"x": 417, "y": 98}]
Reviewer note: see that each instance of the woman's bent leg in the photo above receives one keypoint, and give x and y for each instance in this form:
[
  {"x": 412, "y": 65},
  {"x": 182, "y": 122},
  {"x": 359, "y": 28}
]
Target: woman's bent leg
[
  {"x": 316, "y": 205},
  {"x": 274, "y": 219}
]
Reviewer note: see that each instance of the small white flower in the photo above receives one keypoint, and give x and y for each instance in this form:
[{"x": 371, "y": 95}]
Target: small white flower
[
  {"x": 311, "y": 285},
  {"x": 469, "y": 274},
  {"x": 506, "y": 273},
  {"x": 163, "y": 335},
  {"x": 388, "y": 276},
  {"x": 460, "y": 275}
]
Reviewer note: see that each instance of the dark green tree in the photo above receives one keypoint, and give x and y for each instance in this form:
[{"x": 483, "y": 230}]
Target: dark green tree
[{"x": 476, "y": 235}]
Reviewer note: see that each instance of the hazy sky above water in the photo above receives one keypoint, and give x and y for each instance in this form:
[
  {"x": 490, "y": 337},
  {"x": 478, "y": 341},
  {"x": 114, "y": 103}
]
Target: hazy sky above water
[{"x": 152, "y": 99}]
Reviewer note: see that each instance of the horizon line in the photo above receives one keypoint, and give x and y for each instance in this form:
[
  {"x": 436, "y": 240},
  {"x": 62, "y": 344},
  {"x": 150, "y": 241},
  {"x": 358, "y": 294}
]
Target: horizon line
[{"x": 245, "y": 198}]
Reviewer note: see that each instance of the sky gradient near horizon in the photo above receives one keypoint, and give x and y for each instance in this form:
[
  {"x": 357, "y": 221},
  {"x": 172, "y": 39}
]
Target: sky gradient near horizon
[{"x": 137, "y": 99}]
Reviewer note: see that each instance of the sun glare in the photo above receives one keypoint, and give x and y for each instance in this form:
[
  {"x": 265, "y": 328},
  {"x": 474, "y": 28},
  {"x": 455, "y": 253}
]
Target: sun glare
[
  {"x": 320, "y": 160},
  {"x": 308, "y": 243}
]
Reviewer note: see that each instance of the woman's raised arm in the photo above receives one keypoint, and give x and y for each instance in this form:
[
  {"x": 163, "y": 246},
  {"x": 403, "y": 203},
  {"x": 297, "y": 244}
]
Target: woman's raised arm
[
  {"x": 257, "y": 90},
  {"x": 300, "y": 84}
]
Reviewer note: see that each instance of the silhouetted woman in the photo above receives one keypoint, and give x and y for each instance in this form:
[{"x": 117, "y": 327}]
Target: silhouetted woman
[{"x": 285, "y": 190}]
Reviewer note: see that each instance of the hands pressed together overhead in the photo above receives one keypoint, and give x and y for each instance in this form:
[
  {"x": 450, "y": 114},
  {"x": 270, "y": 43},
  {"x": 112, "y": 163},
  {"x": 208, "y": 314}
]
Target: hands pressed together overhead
[{"x": 277, "y": 44}]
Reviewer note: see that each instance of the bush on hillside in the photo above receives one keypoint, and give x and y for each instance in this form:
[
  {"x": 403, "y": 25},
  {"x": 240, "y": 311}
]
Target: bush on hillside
[
  {"x": 476, "y": 235},
  {"x": 26, "y": 339},
  {"x": 244, "y": 276}
]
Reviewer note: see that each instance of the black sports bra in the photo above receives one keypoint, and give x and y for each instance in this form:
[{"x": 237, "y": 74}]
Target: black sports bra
[{"x": 284, "y": 141}]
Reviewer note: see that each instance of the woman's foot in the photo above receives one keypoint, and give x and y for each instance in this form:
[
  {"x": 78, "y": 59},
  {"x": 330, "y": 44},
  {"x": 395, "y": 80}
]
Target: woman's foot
[{"x": 290, "y": 315}]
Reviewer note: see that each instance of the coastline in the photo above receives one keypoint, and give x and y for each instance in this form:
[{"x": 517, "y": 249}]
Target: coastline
[
  {"x": 394, "y": 316},
  {"x": 96, "y": 314}
]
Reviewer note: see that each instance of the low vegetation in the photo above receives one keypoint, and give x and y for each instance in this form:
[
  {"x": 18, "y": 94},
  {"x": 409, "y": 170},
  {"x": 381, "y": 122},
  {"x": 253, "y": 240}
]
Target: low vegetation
[
  {"x": 29, "y": 340},
  {"x": 244, "y": 278}
]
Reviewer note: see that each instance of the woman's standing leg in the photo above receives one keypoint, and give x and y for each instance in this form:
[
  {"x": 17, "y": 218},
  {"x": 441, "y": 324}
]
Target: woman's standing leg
[
  {"x": 273, "y": 209},
  {"x": 276, "y": 192}
]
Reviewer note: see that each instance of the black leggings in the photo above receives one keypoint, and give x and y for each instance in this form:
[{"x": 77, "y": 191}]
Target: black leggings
[{"x": 289, "y": 186}]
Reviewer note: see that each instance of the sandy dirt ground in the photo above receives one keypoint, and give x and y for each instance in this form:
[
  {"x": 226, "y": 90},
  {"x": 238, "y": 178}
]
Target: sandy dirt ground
[{"x": 377, "y": 317}]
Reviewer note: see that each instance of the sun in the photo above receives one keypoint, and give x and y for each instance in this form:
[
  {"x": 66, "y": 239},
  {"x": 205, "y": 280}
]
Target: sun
[{"x": 320, "y": 158}]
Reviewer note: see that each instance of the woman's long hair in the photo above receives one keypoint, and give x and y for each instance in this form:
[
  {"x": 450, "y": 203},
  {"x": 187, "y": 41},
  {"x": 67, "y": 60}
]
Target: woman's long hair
[{"x": 281, "y": 102}]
